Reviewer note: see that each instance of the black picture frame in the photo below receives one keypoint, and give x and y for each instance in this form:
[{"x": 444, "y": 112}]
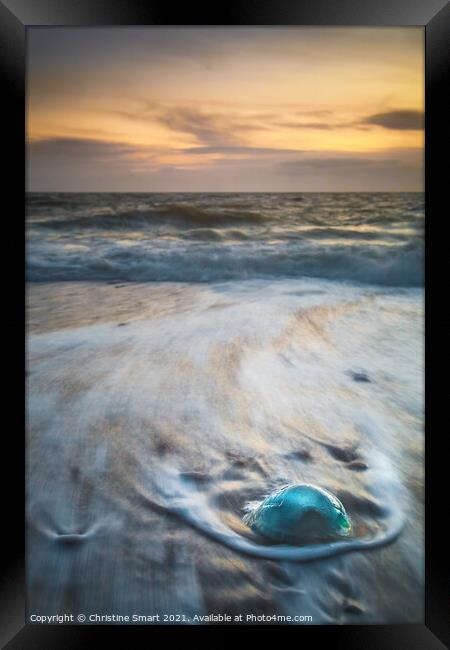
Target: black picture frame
[{"x": 15, "y": 17}]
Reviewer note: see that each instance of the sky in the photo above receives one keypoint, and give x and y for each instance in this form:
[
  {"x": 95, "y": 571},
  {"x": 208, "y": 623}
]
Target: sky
[{"x": 225, "y": 109}]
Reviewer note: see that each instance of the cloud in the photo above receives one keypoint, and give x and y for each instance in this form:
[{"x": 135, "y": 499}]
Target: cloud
[
  {"x": 207, "y": 128},
  {"x": 213, "y": 44},
  {"x": 333, "y": 164},
  {"x": 310, "y": 125},
  {"x": 400, "y": 170},
  {"x": 227, "y": 131},
  {"x": 405, "y": 120},
  {"x": 398, "y": 120},
  {"x": 79, "y": 148},
  {"x": 94, "y": 165},
  {"x": 232, "y": 149},
  {"x": 74, "y": 154},
  {"x": 73, "y": 150},
  {"x": 81, "y": 164}
]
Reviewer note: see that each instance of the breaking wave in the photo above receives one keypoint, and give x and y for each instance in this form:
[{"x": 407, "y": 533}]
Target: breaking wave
[
  {"x": 374, "y": 239},
  {"x": 140, "y": 262},
  {"x": 182, "y": 215}
]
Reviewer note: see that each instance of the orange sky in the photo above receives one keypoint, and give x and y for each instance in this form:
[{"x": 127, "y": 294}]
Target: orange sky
[{"x": 225, "y": 109}]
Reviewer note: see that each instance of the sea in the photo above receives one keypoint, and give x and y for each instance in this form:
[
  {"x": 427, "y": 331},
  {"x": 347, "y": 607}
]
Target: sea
[{"x": 189, "y": 353}]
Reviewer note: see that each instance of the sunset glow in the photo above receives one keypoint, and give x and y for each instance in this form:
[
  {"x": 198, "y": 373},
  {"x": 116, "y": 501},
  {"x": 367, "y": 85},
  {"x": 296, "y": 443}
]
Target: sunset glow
[{"x": 225, "y": 109}]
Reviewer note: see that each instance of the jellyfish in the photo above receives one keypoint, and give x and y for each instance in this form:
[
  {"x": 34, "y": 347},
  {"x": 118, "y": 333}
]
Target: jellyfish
[{"x": 297, "y": 514}]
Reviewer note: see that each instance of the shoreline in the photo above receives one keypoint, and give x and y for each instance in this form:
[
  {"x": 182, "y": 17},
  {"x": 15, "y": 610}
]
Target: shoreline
[
  {"x": 210, "y": 396},
  {"x": 54, "y": 306}
]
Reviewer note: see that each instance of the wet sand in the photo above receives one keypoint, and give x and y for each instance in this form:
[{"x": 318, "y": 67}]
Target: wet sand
[{"x": 237, "y": 388}]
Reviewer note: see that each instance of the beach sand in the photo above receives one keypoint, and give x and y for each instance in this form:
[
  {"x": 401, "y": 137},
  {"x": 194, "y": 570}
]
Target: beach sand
[{"x": 232, "y": 388}]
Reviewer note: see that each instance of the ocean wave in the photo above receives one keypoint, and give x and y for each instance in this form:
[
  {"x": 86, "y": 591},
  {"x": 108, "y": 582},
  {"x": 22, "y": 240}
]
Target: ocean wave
[
  {"x": 366, "y": 238},
  {"x": 204, "y": 262},
  {"x": 178, "y": 214},
  {"x": 214, "y": 234}
]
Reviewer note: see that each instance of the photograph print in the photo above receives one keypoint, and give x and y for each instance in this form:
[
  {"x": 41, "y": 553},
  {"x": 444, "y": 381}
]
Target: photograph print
[{"x": 224, "y": 325}]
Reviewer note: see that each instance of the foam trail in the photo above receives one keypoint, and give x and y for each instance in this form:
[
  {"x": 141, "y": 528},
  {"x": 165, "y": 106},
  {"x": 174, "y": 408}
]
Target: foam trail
[{"x": 193, "y": 507}]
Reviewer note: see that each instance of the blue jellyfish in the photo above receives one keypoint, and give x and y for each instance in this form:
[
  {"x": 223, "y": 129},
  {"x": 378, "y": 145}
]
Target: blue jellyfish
[{"x": 297, "y": 514}]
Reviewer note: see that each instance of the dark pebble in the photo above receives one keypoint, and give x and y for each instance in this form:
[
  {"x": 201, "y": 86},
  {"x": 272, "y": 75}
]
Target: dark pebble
[
  {"x": 360, "y": 376},
  {"x": 162, "y": 447},
  {"x": 196, "y": 477},
  {"x": 301, "y": 454},
  {"x": 341, "y": 453},
  {"x": 357, "y": 466}
]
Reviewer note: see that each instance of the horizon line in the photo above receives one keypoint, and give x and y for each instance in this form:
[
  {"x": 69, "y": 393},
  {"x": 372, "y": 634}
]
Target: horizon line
[{"x": 225, "y": 192}]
